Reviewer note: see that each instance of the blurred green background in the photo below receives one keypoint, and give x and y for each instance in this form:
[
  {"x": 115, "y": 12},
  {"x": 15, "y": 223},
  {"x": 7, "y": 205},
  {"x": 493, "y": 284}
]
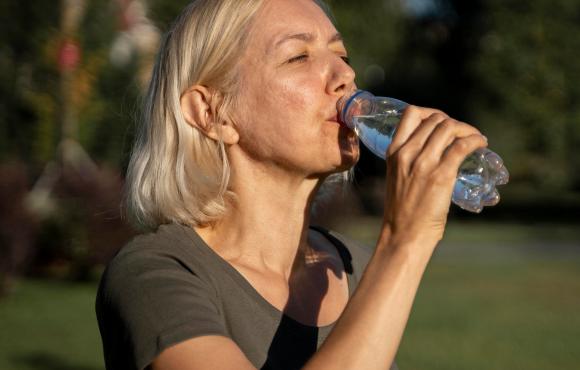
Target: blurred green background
[{"x": 503, "y": 289}]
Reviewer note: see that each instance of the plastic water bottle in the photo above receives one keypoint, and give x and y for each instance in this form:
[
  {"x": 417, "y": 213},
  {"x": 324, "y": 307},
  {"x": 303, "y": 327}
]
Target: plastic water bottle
[{"x": 375, "y": 120}]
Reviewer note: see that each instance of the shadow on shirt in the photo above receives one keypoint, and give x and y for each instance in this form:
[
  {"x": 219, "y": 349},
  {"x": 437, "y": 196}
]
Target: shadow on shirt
[{"x": 294, "y": 343}]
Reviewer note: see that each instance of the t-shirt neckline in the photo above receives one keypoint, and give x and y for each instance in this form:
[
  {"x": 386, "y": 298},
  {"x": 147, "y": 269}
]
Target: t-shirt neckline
[{"x": 241, "y": 280}]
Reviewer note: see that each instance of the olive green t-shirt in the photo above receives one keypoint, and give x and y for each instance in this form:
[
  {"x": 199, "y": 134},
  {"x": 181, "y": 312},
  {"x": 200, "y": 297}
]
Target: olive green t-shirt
[{"x": 169, "y": 286}]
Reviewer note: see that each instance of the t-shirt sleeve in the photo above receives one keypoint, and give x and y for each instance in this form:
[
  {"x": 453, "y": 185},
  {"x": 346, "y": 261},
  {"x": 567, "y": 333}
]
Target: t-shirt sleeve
[{"x": 148, "y": 301}]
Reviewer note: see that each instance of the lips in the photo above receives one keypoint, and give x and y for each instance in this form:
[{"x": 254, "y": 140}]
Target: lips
[{"x": 333, "y": 118}]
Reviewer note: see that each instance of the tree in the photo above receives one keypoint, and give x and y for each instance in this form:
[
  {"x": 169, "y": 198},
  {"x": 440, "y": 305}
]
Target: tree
[{"x": 527, "y": 87}]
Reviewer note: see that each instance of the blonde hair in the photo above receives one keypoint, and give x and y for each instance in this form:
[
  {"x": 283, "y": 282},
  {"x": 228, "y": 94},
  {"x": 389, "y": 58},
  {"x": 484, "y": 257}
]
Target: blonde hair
[{"x": 176, "y": 173}]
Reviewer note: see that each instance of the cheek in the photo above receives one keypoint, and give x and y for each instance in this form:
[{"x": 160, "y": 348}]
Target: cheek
[
  {"x": 280, "y": 116},
  {"x": 296, "y": 95},
  {"x": 284, "y": 106},
  {"x": 277, "y": 96},
  {"x": 266, "y": 127},
  {"x": 279, "y": 107}
]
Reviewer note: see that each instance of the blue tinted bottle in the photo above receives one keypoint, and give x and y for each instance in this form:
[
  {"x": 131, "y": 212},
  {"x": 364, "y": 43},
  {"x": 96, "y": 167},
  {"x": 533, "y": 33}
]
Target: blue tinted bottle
[{"x": 375, "y": 120}]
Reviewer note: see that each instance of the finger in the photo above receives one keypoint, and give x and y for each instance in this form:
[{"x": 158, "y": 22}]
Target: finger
[
  {"x": 460, "y": 149},
  {"x": 410, "y": 150},
  {"x": 442, "y": 136},
  {"x": 411, "y": 119},
  {"x": 421, "y": 134}
]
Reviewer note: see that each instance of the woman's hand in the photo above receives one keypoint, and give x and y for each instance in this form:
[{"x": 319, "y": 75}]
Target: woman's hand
[{"x": 422, "y": 165}]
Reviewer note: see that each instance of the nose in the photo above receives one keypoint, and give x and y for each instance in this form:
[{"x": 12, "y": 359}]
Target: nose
[{"x": 341, "y": 78}]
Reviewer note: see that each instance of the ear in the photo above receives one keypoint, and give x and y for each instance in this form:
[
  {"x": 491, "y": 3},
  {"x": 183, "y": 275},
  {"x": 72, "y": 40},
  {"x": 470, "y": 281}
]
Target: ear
[{"x": 197, "y": 105}]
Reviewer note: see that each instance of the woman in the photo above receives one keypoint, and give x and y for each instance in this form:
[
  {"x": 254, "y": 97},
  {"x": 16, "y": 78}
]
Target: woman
[{"x": 240, "y": 131}]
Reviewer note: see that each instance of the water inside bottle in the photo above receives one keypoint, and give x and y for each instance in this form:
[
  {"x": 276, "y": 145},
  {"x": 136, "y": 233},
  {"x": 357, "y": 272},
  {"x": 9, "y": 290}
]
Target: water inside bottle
[
  {"x": 478, "y": 175},
  {"x": 376, "y": 131}
]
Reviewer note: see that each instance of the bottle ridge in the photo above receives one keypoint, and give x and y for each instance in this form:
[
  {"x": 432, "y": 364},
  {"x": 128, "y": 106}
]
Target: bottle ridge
[{"x": 375, "y": 120}]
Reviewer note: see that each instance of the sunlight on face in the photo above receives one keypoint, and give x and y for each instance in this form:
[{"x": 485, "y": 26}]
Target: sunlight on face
[{"x": 292, "y": 74}]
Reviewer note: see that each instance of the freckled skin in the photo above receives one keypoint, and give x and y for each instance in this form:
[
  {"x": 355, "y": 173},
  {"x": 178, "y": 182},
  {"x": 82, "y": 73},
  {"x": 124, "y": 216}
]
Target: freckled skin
[{"x": 284, "y": 105}]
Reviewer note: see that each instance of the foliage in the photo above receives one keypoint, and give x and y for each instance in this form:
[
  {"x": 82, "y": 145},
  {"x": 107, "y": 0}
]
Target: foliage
[
  {"x": 372, "y": 35},
  {"x": 507, "y": 66},
  {"x": 28, "y": 84},
  {"x": 527, "y": 88}
]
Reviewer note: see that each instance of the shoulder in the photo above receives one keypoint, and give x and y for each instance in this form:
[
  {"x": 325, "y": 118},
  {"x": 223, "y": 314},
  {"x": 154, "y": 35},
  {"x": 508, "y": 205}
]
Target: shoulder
[
  {"x": 354, "y": 254},
  {"x": 144, "y": 251},
  {"x": 157, "y": 291},
  {"x": 359, "y": 252},
  {"x": 152, "y": 263},
  {"x": 169, "y": 244},
  {"x": 169, "y": 238}
]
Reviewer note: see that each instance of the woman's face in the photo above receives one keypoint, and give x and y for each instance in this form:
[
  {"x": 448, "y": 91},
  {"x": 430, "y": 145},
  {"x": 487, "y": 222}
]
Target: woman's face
[{"x": 292, "y": 74}]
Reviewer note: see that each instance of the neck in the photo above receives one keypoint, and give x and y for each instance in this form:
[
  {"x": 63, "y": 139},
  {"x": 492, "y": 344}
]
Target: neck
[{"x": 267, "y": 227}]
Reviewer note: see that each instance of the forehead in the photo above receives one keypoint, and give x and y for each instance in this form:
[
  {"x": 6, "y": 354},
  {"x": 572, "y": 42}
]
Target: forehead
[{"x": 280, "y": 18}]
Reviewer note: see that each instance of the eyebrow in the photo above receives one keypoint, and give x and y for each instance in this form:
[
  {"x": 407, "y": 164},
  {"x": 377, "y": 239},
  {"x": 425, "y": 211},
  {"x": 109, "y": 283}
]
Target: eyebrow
[{"x": 307, "y": 37}]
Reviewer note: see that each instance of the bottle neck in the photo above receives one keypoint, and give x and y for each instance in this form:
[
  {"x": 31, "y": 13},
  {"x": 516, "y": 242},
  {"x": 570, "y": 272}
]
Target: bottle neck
[{"x": 356, "y": 104}]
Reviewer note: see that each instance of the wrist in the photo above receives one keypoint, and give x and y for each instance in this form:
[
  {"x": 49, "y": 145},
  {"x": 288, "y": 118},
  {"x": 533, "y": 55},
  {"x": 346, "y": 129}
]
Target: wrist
[{"x": 411, "y": 247}]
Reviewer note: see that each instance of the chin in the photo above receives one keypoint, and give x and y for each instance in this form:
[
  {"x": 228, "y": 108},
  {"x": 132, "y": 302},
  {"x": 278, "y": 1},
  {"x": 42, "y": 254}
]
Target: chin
[
  {"x": 348, "y": 161},
  {"x": 345, "y": 160},
  {"x": 339, "y": 161},
  {"x": 349, "y": 149}
]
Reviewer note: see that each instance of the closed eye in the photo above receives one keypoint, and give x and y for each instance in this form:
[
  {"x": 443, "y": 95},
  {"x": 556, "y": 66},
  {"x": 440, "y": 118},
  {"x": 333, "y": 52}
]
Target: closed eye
[
  {"x": 346, "y": 59},
  {"x": 299, "y": 58}
]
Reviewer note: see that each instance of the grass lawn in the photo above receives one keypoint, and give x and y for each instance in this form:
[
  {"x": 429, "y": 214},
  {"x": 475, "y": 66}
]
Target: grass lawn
[
  {"x": 490, "y": 315},
  {"x": 49, "y": 325},
  {"x": 493, "y": 297}
]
